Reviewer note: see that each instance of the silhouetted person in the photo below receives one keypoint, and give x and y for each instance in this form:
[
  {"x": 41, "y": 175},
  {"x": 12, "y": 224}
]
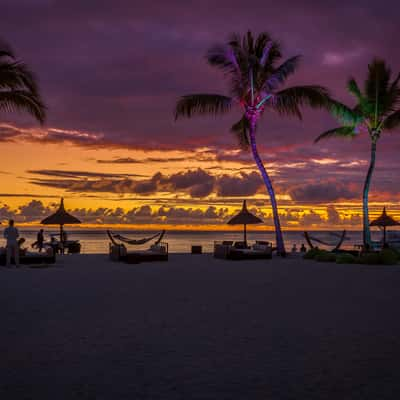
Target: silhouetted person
[
  {"x": 40, "y": 240},
  {"x": 303, "y": 248},
  {"x": 294, "y": 248},
  {"x": 11, "y": 234}
]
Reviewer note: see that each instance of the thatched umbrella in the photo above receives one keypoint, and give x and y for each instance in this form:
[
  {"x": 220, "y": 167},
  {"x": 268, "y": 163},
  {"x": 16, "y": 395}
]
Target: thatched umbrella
[
  {"x": 61, "y": 217},
  {"x": 384, "y": 220},
  {"x": 245, "y": 217}
]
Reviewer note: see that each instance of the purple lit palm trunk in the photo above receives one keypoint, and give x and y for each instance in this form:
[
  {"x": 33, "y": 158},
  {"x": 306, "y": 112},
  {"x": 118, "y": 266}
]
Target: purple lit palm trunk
[
  {"x": 366, "y": 230},
  {"x": 278, "y": 232}
]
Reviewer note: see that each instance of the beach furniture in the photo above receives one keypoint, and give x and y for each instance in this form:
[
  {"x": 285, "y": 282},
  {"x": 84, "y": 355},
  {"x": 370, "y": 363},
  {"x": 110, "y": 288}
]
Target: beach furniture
[
  {"x": 69, "y": 246},
  {"x": 119, "y": 252},
  {"x": 197, "y": 249},
  {"x": 31, "y": 258},
  {"x": 238, "y": 251},
  {"x": 384, "y": 221},
  {"x": 339, "y": 239},
  {"x": 61, "y": 217},
  {"x": 245, "y": 217}
]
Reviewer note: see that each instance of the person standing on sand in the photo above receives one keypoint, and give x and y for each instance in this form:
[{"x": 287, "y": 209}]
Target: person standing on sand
[
  {"x": 40, "y": 240},
  {"x": 11, "y": 234}
]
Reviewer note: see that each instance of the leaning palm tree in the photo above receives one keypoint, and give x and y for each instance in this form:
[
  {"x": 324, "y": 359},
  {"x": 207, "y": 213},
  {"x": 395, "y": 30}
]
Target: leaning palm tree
[
  {"x": 251, "y": 65},
  {"x": 18, "y": 88},
  {"x": 377, "y": 109}
]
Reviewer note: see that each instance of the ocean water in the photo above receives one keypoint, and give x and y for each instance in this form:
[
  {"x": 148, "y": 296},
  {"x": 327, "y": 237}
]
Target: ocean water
[{"x": 96, "y": 241}]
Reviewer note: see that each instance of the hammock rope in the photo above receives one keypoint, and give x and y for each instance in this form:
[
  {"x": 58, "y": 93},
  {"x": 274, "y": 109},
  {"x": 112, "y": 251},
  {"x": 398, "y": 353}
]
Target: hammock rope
[{"x": 336, "y": 245}]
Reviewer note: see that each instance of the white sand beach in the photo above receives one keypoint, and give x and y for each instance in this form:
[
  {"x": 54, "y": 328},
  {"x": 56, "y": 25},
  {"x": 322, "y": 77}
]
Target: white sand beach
[{"x": 199, "y": 328}]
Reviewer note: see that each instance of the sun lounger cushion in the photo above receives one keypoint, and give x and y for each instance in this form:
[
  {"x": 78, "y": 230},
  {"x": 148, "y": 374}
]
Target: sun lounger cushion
[
  {"x": 158, "y": 248},
  {"x": 261, "y": 247}
]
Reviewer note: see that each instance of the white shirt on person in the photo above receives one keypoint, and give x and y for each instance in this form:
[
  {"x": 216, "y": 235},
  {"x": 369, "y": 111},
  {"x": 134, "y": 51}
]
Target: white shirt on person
[{"x": 11, "y": 234}]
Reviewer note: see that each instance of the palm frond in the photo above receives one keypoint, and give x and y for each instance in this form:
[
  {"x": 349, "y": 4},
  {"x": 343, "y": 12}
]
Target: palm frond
[
  {"x": 271, "y": 53},
  {"x": 263, "y": 42},
  {"x": 393, "y": 96},
  {"x": 289, "y": 100},
  {"x": 241, "y": 130},
  {"x": 377, "y": 85},
  {"x": 395, "y": 83},
  {"x": 345, "y": 114},
  {"x": 200, "y": 104},
  {"x": 280, "y": 74},
  {"x": 6, "y": 50},
  {"x": 22, "y": 100},
  {"x": 342, "y": 131},
  {"x": 353, "y": 88},
  {"x": 265, "y": 52},
  {"x": 248, "y": 43},
  {"x": 17, "y": 75},
  {"x": 392, "y": 121},
  {"x": 222, "y": 57}
]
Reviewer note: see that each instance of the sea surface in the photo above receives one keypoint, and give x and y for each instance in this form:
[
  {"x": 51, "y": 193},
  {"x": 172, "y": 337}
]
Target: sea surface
[{"x": 96, "y": 241}]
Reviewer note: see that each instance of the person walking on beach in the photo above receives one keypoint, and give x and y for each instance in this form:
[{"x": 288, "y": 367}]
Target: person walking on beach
[{"x": 11, "y": 234}]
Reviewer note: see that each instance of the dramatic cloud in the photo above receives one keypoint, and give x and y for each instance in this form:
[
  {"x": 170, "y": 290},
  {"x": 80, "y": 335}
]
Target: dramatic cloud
[
  {"x": 322, "y": 192},
  {"x": 126, "y": 160},
  {"x": 242, "y": 185},
  {"x": 77, "y": 174},
  {"x": 197, "y": 183},
  {"x": 34, "y": 211}
]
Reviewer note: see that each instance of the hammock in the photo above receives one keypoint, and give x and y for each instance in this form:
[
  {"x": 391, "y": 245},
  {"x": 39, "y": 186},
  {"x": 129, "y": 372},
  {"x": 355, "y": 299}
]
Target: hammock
[
  {"x": 134, "y": 242},
  {"x": 335, "y": 245}
]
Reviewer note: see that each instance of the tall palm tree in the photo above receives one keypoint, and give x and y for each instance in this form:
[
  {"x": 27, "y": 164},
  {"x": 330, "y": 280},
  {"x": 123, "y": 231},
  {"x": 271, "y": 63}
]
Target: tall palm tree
[
  {"x": 18, "y": 87},
  {"x": 377, "y": 109},
  {"x": 251, "y": 65}
]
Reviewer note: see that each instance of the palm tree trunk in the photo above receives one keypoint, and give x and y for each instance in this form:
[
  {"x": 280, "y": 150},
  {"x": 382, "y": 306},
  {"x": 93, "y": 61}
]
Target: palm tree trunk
[
  {"x": 367, "y": 183},
  {"x": 278, "y": 232}
]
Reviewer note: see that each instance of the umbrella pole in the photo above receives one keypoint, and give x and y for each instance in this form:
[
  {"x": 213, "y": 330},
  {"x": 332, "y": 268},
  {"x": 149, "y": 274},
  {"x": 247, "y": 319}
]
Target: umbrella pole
[
  {"x": 245, "y": 234},
  {"x": 61, "y": 240},
  {"x": 384, "y": 236}
]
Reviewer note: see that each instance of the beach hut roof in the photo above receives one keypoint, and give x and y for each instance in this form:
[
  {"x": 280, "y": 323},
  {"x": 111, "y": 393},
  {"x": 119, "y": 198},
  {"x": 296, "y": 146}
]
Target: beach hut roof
[
  {"x": 60, "y": 217},
  {"x": 384, "y": 220},
  {"x": 245, "y": 217}
]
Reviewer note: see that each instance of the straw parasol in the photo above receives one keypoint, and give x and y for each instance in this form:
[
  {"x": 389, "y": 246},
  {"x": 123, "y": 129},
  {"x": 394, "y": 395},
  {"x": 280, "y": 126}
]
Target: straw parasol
[
  {"x": 384, "y": 220},
  {"x": 245, "y": 217},
  {"x": 60, "y": 217}
]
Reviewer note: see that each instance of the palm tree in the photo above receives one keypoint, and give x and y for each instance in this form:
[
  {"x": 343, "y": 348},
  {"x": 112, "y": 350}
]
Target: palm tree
[
  {"x": 377, "y": 109},
  {"x": 251, "y": 65},
  {"x": 18, "y": 88}
]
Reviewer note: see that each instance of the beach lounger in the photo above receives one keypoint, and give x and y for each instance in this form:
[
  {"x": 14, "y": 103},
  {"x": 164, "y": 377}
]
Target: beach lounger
[
  {"x": 136, "y": 257},
  {"x": 156, "y": 252},
  {"x": 31, "y": 258},
  {"x": 240, "y": 252}
]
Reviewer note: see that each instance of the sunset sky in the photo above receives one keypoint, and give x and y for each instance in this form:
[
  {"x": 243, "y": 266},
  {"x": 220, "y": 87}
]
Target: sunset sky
[{"x": 110, "y": 73}]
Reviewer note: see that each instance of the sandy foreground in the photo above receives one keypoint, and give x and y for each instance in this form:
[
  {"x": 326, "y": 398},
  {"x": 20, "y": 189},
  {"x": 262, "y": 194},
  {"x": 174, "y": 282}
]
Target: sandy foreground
[{"x": 199, "y": 328}]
